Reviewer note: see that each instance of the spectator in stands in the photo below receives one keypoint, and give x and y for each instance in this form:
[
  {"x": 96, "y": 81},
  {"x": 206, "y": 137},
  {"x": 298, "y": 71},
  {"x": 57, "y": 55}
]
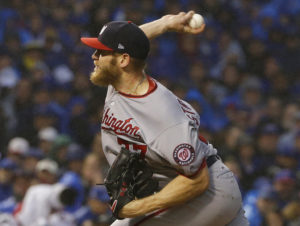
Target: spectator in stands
[
  {"x": 46, "y": 171},
  {"x": 59, "y": 149},
  {"x": 248, "y": 160},
  {"x": 75, "y": 158},
  {"x": 267, "y": 141},
  {"x": 268, "y": 209},
  {"x": 288, "y": 157},
  {"x": 17, "y": 149},
  {"x": 44, "y": 204},
  {"x": 285, "y": 186},
  {"x": 91, "y": 171},
  {"x": 46, "y": 137},
  {"x": 31, "y": 159},
  {"x": 7, "y": 172},
  {"x": 22, "y": 182},
  {"x": 96, "y": 212}
]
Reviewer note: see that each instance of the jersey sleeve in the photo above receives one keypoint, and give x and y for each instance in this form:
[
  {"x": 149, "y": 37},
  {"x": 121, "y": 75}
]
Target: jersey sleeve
[{"x": 181, "y": 147}]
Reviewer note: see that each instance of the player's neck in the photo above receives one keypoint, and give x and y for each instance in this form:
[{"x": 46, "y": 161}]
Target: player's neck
[{"x": 133, "y": 84}]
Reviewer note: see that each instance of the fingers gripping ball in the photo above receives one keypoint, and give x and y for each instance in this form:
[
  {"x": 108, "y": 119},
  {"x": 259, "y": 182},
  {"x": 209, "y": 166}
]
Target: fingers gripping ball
[
  {"x": 196, "y": 21},
  {"x": 129, "y": 177}
]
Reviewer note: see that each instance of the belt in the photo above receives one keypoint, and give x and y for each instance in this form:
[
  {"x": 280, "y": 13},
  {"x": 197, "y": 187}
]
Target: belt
[{"x": 212, "y": 159}]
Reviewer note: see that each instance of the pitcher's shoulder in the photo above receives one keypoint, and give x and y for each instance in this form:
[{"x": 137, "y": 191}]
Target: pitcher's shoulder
[{"x": 168, "y": 109}]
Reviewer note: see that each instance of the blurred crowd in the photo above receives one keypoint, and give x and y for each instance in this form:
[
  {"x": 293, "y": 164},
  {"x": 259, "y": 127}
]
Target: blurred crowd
[{"x": 242, "y": 74}]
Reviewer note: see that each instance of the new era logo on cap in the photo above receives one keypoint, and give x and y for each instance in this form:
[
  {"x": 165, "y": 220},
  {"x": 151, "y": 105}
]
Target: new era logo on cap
[
  {"x": 121, "y": 37},
  {"x": 120, "y": 46}
]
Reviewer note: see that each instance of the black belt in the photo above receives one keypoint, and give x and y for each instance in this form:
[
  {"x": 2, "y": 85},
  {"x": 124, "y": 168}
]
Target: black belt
[{"x": 212, "y": 159}]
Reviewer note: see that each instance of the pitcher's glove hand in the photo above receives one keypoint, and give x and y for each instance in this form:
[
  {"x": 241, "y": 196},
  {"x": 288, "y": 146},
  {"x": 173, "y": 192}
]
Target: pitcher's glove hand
[{"x": 128, "y": 178}]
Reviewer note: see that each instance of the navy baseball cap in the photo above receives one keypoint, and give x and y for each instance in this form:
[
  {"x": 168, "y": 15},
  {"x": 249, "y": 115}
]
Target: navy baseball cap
[{"x": 121, "y": 37}]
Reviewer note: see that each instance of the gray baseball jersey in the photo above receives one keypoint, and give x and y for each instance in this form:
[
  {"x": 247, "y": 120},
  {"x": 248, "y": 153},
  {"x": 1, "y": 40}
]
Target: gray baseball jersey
[
  {"x": 160, "y": 126},
  {"x": 164, "y": 129}
]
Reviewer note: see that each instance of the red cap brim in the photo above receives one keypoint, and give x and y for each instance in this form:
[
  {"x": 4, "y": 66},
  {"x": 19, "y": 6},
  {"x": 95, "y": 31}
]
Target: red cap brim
[{"x": 95, "y": 43}]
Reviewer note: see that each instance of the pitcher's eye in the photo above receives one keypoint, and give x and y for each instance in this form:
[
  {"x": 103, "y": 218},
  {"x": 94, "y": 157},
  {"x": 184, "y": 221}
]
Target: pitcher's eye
[
  {"x": 100, "y": 53},
  {"x": 106, "y": 52},
  {"x": 97, "y": 53}
]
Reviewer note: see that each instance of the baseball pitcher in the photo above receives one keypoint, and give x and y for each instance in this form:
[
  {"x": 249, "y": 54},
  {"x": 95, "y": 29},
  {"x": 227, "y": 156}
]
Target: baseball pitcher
[{"x": 162, "y": 171}]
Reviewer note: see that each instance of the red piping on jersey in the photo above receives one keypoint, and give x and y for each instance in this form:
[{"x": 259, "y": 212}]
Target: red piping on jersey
[
  {"x": 202, "y": 139},
  {"x": 150, "y": 216},
  {"x": 203, "y": 164},
  {"x": 152, "y": 87}
]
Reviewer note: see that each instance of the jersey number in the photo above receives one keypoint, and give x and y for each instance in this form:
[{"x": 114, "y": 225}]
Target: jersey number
[{"x": 132, "y": 146}]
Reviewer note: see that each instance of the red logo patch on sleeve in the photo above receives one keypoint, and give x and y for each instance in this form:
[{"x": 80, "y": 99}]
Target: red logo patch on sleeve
[{"x": 184, "y": 154}]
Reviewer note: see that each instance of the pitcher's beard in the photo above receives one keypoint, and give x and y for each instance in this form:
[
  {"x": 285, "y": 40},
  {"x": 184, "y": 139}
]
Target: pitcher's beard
[
  {"x": 101, "y": 78},
  {"x": 105, "y": 76}
]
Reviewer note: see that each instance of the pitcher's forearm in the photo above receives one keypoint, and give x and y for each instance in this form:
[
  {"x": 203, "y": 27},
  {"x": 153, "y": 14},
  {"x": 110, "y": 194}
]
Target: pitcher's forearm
[
  {"x": 178, "y": 191},
  {"x": 177, "y": 23},
  {"x": 154, "y": 28}
]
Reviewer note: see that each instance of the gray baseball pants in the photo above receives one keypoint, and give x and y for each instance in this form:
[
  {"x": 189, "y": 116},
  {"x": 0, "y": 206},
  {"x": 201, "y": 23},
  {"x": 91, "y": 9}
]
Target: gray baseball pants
[{"x": 219, "y": 205}]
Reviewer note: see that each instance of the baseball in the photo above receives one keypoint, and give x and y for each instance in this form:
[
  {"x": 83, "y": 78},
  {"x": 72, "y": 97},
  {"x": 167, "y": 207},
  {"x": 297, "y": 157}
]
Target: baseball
[{"x": 196, "y": 21}]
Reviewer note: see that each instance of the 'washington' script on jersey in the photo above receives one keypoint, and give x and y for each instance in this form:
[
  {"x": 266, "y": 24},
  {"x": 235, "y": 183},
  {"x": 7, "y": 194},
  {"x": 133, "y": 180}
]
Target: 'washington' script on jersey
[{"x": 119, "y": 127}]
